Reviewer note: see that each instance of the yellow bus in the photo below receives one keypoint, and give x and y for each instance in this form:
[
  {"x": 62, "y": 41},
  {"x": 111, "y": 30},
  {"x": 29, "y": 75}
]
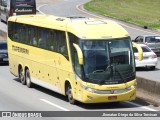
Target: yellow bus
[{"x": 87, "y": 59}]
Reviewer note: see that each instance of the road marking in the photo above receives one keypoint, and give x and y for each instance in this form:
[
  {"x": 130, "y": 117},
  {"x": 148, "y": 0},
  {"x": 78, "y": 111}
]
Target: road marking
[
  {"x": 144, "y": 107},
  {"x": 55, "y": 105},
  {"x": 77, "y": 7},
  {"x": 40, "y": 7}
]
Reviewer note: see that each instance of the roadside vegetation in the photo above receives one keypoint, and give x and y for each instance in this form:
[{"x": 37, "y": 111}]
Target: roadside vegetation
[{"x": 142, "y": 12}]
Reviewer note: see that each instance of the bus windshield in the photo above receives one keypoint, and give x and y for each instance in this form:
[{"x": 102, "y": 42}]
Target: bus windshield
[{"x": 108, "y": 61}]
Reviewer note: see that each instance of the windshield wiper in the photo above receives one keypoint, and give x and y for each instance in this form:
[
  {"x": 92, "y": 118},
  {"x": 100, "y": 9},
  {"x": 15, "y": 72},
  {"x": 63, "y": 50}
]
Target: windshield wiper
[
  {"x": 108, "y": 70},
  {"x": 111, "y": 69},
  {"x": 116, "y": 69}
]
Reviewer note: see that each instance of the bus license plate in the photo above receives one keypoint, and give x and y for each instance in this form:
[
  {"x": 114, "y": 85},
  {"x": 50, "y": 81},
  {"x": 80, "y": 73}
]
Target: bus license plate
[{"x": 112, "y": 98}]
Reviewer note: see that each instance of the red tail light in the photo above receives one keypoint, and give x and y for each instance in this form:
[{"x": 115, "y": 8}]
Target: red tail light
[
  {"x": 34, "y": 11},
  {"x": 12, "y": 11},
  {"x": 146, "y": 43},
  {"x": 154, "y": 56}
]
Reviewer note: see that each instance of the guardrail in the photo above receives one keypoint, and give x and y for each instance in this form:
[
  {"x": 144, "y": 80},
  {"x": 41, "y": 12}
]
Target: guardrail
[{"x": 148, "y": 90}]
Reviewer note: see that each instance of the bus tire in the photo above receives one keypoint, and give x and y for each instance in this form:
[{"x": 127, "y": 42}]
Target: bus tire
[
  {"x": 152, "y": 67},
  {"x": 21, "y": 76},
  {"x": 28, "y": 79},
  {"x": 70, "y": 95}
]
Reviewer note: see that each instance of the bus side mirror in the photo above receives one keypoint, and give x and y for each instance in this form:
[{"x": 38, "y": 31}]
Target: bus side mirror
[
  {"x": 140, "y": 51},
  {"x": 79, "y": 52}
]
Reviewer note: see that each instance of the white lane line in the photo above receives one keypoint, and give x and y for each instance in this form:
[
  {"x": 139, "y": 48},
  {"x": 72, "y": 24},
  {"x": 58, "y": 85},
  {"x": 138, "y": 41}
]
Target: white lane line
[
  {"x": 77, "y": 7},
  {"x": 144, "y": 107},
  {"x": 55, "y": 105},
  {"x": 40, "y": 7}
]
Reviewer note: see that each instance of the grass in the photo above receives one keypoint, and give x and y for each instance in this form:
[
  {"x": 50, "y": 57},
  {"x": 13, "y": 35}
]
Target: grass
[{"x": 142, "y": 12}]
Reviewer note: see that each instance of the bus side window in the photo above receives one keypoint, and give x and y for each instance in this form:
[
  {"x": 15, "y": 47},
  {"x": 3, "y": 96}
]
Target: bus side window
[
  {"x": 23, "y": 33},
  {"x": 15, "y": 33},
  {"x": 62, "y": 44},
  {"x": 40, "y": 37},
  {"x": 18, "y": 32},
  {"x": 34, "y": 41},
  {"x": 12, "y": 31},
  {"x": 30, "y": 35},
  {"x": 26, "y": 35},
  {"x": 50, "y": 40},
  {"x": 34, "y": 36},
  {"x": 42, "y": 42}
]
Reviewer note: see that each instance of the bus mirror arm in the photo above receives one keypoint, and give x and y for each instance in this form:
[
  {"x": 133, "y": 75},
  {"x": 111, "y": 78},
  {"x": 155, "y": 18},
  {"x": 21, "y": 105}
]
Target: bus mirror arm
[
  {"x": 140, "y": 51},
  {"x": 79, "y": 52}
]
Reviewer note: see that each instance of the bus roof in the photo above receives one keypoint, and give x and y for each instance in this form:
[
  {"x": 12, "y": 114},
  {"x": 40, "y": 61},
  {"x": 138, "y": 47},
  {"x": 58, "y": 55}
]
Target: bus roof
[{"x": 85, "y": 28}]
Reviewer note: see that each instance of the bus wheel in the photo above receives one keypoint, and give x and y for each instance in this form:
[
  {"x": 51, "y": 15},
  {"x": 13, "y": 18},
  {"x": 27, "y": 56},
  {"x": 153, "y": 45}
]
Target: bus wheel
[
  {"x": 152, "y": 68},
  {"x": 21, "y": 76},
  {"x": 70, "y": 95},
  {"x": 28, "y": 79}
]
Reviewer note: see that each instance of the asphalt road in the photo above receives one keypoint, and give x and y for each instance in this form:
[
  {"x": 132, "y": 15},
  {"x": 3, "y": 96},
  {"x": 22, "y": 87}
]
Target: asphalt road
[{"x": 16, "y": 97}]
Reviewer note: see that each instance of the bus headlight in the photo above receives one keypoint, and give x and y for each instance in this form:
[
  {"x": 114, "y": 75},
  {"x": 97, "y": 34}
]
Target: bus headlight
[
  {"x": 88, "y": 88},
  {"x": 131, "y": 87}
]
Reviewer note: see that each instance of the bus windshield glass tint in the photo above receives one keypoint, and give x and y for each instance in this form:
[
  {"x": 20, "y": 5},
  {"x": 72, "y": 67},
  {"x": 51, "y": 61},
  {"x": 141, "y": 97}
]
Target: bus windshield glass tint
[{"x": 108, "y": 61}]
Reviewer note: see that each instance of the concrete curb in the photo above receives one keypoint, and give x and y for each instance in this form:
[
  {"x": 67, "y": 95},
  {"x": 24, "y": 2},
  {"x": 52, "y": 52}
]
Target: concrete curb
[
  {"x": 148, "y": 90},
  {"x": 149, "y": 85}
]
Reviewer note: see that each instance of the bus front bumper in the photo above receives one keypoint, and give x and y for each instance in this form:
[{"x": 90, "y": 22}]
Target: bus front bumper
[{"x": 89, "y": 97}]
